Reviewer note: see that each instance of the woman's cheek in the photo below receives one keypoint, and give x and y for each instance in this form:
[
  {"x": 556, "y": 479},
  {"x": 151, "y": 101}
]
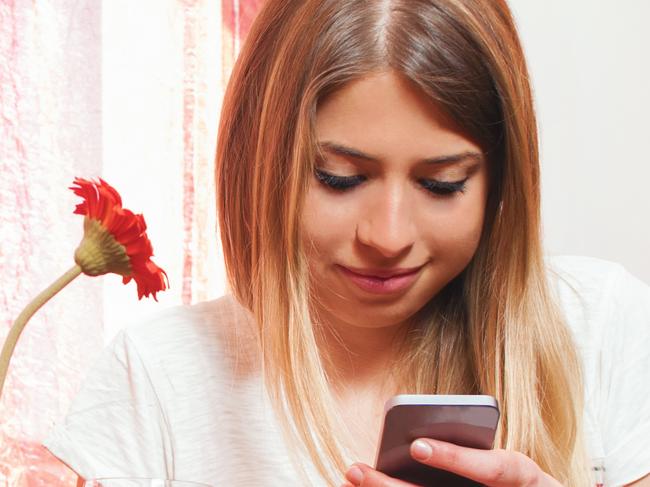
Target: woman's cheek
[
  {"x": 455, "y": 234},
  {"x": 326, "y": 221}
]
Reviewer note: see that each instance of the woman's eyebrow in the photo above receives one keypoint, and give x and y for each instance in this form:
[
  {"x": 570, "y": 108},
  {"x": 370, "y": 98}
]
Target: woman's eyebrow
[{"x": 357, "y": 154}]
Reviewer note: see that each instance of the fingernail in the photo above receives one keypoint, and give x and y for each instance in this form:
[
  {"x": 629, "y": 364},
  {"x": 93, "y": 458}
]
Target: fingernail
[
  {"x": 421, "y": 450},
  {"x": 354, "y": 475}
]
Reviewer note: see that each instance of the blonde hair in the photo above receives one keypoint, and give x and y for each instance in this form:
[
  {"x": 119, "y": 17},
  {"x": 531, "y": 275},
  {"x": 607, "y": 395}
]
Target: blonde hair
[{"x": 496, "y": 328}]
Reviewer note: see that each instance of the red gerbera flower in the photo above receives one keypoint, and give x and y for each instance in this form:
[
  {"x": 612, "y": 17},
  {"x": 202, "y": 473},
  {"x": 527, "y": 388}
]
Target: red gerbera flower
[{"x": 115, "y": 239}]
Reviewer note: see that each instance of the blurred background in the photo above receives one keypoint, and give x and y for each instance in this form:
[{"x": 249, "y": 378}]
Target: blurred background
[{"x": 131, "y": 91}]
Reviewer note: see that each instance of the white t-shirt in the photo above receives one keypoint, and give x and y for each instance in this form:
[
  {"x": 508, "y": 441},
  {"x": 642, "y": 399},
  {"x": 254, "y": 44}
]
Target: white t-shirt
[{"x": 180, "y": 396}]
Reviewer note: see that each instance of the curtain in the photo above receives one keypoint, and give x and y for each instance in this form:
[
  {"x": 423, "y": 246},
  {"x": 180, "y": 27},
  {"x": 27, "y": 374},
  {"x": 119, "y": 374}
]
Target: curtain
[{"x": 130, "y": 92}]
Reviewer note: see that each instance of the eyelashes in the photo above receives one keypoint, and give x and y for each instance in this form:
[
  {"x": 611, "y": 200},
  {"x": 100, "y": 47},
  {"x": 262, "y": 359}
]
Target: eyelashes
[
  {"x": 340, "y": 183},
  {"x": 344, "y": 183},
  {"x": 444, "y": 187}
]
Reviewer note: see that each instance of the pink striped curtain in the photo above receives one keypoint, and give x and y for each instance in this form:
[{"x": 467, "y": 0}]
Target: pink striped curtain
[{"x": 129, "y": 91}]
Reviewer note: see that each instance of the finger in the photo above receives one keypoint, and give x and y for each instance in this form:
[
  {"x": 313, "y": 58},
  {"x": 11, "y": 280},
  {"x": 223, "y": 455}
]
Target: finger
[
  {"x": 493, "y": 468},
  {"x": 361, "y": 475}
]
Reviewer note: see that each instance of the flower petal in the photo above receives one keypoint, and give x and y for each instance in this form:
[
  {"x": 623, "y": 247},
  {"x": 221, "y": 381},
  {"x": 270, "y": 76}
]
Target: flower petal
[{"x": 101, "y": 202}]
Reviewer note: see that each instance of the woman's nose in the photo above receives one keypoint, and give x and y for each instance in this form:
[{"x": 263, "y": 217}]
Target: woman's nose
[{"x": 387, "y": 224}]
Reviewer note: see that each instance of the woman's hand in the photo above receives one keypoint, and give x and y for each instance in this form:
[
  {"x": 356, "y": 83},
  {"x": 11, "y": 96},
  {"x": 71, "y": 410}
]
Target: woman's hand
[{"x": 493, "y": 468}]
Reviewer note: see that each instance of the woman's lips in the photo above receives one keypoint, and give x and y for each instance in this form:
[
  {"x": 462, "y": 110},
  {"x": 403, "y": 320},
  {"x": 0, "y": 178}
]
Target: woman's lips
[{"x": 382, "y": 285}]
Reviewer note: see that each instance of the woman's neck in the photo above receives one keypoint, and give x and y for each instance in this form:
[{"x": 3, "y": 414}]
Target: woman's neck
[{"x": 360, "y": 359}]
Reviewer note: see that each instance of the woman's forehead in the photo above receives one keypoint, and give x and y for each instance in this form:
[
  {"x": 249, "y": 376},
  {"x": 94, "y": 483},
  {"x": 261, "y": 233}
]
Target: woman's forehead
[{"x": 383, "y": 116}]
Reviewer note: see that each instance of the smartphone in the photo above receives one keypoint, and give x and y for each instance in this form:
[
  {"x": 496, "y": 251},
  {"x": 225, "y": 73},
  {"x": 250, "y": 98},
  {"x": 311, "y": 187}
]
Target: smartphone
[{"x": 461, "y": 419}]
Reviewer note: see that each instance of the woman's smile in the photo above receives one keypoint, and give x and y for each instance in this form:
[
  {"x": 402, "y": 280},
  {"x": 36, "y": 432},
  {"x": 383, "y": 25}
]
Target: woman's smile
[{"x": 397, "y": 281}]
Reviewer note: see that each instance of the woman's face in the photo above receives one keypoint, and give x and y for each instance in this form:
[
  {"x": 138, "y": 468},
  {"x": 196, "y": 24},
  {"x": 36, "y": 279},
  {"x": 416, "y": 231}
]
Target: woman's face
[{"x": 399, "y": 187}]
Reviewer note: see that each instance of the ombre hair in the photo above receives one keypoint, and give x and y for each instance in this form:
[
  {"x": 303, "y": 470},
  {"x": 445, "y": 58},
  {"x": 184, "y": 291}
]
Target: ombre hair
[{"x": 496, "y": 328}]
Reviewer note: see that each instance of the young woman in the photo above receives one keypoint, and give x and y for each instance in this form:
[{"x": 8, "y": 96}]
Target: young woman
[{"x": 378, "y": 181}]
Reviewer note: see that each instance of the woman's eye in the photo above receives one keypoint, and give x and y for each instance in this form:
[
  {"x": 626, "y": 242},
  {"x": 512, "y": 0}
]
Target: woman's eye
[
  {"x": 343, "y": 183},
  {"x": 444, "y": 188},
  {"x": 339, "y": 183}
]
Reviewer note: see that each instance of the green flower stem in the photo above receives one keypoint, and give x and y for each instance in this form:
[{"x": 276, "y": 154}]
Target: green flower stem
[{"x": 27, "y": 313}]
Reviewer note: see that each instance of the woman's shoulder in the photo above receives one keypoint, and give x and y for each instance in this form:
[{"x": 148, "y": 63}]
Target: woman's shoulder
[
  {"x": 583, "y": 271},
  {"x": 162, "y": 394},
  {"x": 599, "y": 298},
  {"x": 608, "y": 310},
  {"x": 593, "y": 283},
  {"x": 217, "y": 319},
  {"x": 210, "y": 337}
]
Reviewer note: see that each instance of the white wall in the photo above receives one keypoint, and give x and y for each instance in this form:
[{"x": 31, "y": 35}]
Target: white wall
[
  {"x": 590, "y": 69},
  {"x": 161, "y": 70}
]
